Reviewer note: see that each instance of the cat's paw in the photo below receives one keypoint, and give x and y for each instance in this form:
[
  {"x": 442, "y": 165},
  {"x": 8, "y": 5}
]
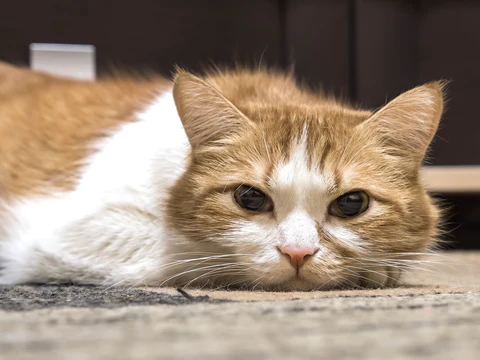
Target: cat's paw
[{"x": 379, "y": 277}]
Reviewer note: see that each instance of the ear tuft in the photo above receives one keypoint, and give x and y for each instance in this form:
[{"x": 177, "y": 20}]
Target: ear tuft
[
  {"x": 408, "y": 123},
  {"x": 205, "y": 113}
]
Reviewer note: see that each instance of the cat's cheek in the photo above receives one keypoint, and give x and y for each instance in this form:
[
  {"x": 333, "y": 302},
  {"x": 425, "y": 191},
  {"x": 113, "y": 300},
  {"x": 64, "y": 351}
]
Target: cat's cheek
[
  {"x": 348, "y": 238},
  {"x": 257, "y": 241},
  {"x": 261, "y": 233}
]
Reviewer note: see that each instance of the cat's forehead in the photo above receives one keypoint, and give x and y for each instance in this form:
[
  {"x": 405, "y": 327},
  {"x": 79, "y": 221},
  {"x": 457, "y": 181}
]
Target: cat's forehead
[
  {"x": 300, "y": 154},
  {"x": 305, "y": 155},
  {"x": 317, "y": 135},
  {"x": 299, "y": 182}
]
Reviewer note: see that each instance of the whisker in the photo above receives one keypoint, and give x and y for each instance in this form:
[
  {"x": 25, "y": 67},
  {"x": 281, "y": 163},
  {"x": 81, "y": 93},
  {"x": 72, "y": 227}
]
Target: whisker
[
  {"x": 221, "y": 270},
  {"x": 197, "y": 269},
  {"x": 177, "y": 263}
]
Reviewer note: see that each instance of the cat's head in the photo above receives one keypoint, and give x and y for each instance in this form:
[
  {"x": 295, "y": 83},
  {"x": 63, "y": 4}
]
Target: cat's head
[{"x": 288, "y": 190}]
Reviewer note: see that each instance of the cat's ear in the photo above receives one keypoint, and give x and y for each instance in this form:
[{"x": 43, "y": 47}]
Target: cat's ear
[
  {"x": 407, "y": 124},
  {"x": 206, "y": 114}
]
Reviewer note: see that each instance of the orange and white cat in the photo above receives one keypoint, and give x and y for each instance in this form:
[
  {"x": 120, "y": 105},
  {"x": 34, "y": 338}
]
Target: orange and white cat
[{"x": 237, "y": 178}]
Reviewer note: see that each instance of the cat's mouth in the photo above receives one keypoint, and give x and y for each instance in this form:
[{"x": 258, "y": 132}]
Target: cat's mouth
[
  {"x": 301, "y": 284},
  {"x": 305, "y": 280},
  {"x": 302, "y": 280}
]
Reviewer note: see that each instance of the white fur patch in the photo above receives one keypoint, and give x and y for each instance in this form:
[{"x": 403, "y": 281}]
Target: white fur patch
[
  {"x": 347, "y": 237},
  {"x": 298, "y": 229},
  {"x": 103, "y": 231},
  {"x": 297, "y": 186}
]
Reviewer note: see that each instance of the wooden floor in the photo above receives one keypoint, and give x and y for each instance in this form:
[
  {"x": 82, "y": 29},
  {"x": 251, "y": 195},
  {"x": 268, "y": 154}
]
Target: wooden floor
[{"x": 452, "y": 179}]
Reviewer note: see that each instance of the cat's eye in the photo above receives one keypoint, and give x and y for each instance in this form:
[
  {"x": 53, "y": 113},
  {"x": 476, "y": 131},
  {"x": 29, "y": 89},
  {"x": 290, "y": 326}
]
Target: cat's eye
[
  {"x": 252, "y": 199},
  {"x": 350, "y": 204}
]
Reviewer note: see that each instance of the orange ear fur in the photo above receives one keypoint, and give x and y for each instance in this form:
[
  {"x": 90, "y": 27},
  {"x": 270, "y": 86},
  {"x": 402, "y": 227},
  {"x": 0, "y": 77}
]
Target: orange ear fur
[
  {"x": 407, "y": 124},
  {"x": 206, "y": 114}
]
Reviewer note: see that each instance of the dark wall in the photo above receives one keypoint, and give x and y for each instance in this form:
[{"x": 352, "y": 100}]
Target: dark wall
[
  {"x": 449, "y": 48},
  {"x": 317, "y": 36},
  {"x": 148, "y": 34},
  {"x": 405, "y": 43},
  {"x": 462, "y": 221},
  {"x": 365, "y": 50}
]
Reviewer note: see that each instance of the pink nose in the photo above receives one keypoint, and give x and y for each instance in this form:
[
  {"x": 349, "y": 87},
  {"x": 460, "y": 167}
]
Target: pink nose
[{"x": 298, "y": 255}]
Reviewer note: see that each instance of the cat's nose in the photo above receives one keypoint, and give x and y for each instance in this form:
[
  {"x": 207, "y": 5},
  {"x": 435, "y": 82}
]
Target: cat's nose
[{"x": 298, "y": 254}]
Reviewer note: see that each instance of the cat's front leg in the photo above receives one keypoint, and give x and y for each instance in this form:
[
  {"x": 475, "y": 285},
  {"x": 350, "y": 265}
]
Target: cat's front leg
[
  {"x": 54, "y": 241},
  {"x": 378, "y": 276}
]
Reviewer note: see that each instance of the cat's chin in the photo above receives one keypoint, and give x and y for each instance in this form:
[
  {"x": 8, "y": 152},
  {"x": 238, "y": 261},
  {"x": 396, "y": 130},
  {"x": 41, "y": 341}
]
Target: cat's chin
[
  {"x": 295, "y": 283},
  {"x": 375, "y": 277},
  {"x": 301, "y": 285},
  {"x": 378, "y": 277}
]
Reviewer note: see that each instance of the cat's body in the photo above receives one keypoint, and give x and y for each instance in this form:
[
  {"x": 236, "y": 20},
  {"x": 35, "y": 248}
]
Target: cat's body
[{"x": 135, "y": 182}]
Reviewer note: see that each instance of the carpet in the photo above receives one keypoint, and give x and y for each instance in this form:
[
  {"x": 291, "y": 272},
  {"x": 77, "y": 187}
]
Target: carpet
[{"x": 434, "y": 315}]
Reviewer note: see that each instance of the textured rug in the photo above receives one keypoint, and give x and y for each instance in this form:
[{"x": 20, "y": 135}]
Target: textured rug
[{"x": 435, "y": 315}]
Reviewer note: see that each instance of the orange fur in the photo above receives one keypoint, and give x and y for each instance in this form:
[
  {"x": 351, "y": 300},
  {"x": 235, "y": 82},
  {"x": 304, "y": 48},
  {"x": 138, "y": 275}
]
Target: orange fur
[
  {"x": 48, "y": 125},
  {"x": 380, "y": 153}
]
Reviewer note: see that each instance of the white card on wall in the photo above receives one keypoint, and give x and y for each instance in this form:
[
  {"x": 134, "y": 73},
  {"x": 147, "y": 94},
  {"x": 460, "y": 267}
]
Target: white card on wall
[{"x": 69, "y": 60}]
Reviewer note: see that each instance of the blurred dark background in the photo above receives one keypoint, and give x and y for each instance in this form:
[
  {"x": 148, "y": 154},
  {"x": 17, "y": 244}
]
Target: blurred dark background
[{"x": 367, "y": 51}]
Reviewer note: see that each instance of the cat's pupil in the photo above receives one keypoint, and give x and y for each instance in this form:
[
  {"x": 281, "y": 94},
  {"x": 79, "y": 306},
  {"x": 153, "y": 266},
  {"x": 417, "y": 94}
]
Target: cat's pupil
[
  {"x": 249, "y": 197},
  {"x": 352, "y": 203}
]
